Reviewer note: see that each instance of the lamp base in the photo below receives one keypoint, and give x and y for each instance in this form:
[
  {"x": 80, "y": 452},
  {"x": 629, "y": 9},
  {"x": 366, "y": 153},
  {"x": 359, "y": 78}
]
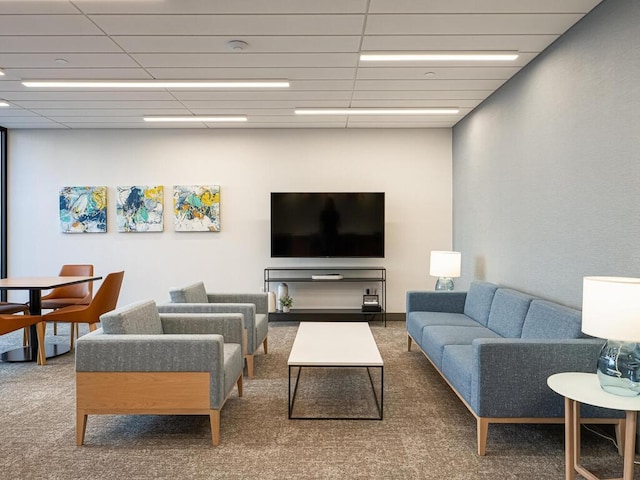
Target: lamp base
[
  {"x": 444, "y": 283},
  {"x": 619, "y": 368}
]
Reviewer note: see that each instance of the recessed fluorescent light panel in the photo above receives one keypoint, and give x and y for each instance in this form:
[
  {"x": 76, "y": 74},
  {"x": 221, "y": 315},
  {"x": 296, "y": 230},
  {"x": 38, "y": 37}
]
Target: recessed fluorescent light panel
[
  {"x": 156, "y": 84},
  {"x": 439, "y": 56},
  {"x": 202, "y": 119},
  {"x": 3, "y": 104},
  {"x": 377, "y": 111}
]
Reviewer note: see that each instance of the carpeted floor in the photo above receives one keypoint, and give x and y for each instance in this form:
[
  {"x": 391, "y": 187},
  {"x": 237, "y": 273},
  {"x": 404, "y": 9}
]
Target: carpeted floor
[{"x": 426, "y": 433}]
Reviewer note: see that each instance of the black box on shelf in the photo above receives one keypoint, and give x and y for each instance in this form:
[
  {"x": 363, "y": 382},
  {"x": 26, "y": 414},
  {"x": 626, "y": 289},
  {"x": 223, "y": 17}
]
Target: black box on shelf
[{"x": 370, "y": 303}]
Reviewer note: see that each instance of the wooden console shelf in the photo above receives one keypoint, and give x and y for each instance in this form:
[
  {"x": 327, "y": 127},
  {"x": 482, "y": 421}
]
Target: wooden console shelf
[{"x": 373, "y": 275}]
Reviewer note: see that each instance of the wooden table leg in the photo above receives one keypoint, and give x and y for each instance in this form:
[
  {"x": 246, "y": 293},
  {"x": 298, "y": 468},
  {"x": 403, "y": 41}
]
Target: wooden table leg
[
  {"x": 576, "y": 434},
  {"x": 569, "y": 442},
  {"x": 629, "y": 445}
]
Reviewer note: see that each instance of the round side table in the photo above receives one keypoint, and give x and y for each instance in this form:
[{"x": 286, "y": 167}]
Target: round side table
[{"x": 577, "y": 388}]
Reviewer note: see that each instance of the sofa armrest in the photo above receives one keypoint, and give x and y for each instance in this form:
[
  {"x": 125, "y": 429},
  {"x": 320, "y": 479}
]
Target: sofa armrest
[
  {"x": 260, "y": 300},
  {"x": 509, "y": 376},
  {"x": 427, "y": 301},
  {"x": 100, "y": 352},
  {"x": 229, "y": 325}
]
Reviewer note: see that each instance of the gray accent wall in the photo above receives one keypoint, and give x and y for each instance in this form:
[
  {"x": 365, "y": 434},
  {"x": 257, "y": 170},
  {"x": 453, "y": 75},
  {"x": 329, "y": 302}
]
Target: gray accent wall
[{"x": 546, "y": 172}]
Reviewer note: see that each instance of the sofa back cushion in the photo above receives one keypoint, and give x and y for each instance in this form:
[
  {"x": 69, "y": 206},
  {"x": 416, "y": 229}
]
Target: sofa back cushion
[
  {"x": 139, "y": 318},
  {"x": 548, "y": 320},
  {"x": 508, "y": 311},
  {"x": 478, "y": 302},
  {"x": 195, "y": 293}
]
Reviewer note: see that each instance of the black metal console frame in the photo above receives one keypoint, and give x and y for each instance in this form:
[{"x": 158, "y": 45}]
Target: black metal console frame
[{"x": 373, "y": 275}]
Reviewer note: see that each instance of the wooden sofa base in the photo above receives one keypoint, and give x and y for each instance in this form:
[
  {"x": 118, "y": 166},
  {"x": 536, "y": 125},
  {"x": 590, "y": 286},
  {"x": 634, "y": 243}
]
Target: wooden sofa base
[
  {"x": 483, "y": 422},
  {"x": 145, "y": 393}
]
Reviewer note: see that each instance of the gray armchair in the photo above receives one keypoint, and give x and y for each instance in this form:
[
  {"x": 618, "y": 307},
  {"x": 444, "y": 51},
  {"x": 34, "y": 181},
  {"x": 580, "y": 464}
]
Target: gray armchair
[
  {"x": 141, "y": 362},
  {"x": 253, "y": 306}
]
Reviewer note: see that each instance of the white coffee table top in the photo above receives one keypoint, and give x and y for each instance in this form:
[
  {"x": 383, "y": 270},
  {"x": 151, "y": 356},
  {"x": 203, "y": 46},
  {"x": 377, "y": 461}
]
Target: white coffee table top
[
  {"x": 340, "y": 344},
  {"x": 585, "y": 388}
]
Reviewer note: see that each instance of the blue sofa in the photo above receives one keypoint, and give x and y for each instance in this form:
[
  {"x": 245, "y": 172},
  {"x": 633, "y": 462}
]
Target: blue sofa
[{"x": 495, "y": 347}]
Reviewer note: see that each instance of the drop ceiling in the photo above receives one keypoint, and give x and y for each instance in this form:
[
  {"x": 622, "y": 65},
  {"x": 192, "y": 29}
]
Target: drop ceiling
[{"x": 315, "y": 44}]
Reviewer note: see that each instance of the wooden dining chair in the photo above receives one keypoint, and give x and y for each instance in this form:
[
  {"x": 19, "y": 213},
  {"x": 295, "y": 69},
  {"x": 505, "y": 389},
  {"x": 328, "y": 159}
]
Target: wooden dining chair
[
  {"x": 105, "y": 300},
  {"x": 9, "y": 323},
  {"x": 78, "y": 294}
]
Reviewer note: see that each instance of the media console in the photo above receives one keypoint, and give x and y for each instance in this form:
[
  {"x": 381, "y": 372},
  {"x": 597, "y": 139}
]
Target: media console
[{"x": 364, "y": 275}]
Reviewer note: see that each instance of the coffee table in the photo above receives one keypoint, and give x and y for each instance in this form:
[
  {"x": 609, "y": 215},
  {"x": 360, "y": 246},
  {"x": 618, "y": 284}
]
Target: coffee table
[{"x": 335, "y": 345}]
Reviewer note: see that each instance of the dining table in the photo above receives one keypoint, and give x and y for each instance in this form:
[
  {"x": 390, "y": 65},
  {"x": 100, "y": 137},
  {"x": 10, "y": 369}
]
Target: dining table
[{"x": 35, "y": 286}]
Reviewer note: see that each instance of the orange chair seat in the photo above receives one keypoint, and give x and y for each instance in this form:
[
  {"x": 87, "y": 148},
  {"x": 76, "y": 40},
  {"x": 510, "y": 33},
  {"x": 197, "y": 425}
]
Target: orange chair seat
[{"x": 9, "y": 323}]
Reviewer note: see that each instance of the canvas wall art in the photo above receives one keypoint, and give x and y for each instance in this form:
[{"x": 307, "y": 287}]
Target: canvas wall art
[
  {"x": 140, "y": 208},
  {"x": 83, "y": 209},
  {"x": 196, "y": 208}
]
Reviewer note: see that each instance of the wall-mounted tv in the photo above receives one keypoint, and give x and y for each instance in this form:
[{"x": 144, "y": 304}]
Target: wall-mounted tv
[{"x": 327, "y": 224}]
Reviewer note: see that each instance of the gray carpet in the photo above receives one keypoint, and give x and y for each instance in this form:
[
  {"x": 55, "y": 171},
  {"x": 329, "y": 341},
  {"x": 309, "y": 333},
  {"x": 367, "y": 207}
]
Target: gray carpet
[{"x": 426, "y": 433}]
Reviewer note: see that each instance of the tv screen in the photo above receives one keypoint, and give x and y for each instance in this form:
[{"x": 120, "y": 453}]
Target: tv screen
[{"x": 327, "y": 224}]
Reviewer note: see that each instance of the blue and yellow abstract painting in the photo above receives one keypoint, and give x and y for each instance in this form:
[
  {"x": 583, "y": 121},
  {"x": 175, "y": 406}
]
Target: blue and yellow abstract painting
[
  {"x": 196, "y": 208},
  {"x": 140, "y": 208},
  {"x": 83, "y": 209}
]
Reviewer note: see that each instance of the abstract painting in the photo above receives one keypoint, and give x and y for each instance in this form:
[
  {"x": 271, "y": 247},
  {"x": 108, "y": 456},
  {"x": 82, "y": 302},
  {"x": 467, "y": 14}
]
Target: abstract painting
[
  {"x": 140, "y": 208},
  {"x": 83, "y": 209},
  {"x": 196, "y": 208}
]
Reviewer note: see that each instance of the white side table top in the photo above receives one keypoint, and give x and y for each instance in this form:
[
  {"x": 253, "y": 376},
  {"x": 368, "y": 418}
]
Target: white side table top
[
  {"x": 335, "y": 344},
  {"x": 585, "y": 388}
]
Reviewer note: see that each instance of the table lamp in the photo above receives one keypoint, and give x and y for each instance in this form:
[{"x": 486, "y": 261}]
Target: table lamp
[
  {"x": 445, "y": 266},
  {"x": 611, "y": 310}
]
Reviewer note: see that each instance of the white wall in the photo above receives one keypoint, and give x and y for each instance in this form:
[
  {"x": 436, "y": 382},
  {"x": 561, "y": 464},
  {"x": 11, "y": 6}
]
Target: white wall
[{"x": 413, "y": 167}]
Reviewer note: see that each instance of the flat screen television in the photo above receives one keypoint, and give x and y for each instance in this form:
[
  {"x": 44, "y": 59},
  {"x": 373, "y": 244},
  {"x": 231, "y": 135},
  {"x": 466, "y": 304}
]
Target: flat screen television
[{"x": 327, "y": 224}]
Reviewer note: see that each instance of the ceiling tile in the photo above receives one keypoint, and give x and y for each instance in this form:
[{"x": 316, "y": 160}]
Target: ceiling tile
[
  {"x": 57, "y": 44},
  {"x": 229, "y": 24},
  {"x": 511, "y": 24},
  {"x": 73, "y": 60},
  {"x": 484, "y": 6},
  {"x": 47, "y": 25},
  {"x": 218, "y": 44},
  {"x": 222, "y": 60},
  {"x": 293, "y": 74},
  {"x": 212, "y": 7}
]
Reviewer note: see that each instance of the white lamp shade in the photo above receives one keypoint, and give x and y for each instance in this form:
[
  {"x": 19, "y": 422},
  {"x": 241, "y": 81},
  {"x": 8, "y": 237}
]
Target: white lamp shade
[
  {"x": 611, "y": 308},
  {"x": 445, "y": 264}
]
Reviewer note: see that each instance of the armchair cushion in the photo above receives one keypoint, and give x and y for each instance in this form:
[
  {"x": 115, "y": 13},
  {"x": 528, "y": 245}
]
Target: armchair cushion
[
  {"x": 139, "y": 319},
  {"x": 195, "y": 293}
]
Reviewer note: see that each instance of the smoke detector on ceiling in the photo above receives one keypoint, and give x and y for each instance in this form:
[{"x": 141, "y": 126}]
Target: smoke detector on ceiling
[{"x": 237, "y": 45}]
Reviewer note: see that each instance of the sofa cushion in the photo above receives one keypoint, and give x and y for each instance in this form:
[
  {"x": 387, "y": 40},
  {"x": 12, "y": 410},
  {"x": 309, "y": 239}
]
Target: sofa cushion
[
  {"x": 195, "y": 293},
  {"x": 478, "y": 302},
  {"x": 139, "y": 318},
  {"x": 547, "y": 320},
  {"x": 507, "y": 313},
  {"x": 435, "y": 338},
  {"x": 416, "y": 321},
  {"x": 457, "y": 367}
]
